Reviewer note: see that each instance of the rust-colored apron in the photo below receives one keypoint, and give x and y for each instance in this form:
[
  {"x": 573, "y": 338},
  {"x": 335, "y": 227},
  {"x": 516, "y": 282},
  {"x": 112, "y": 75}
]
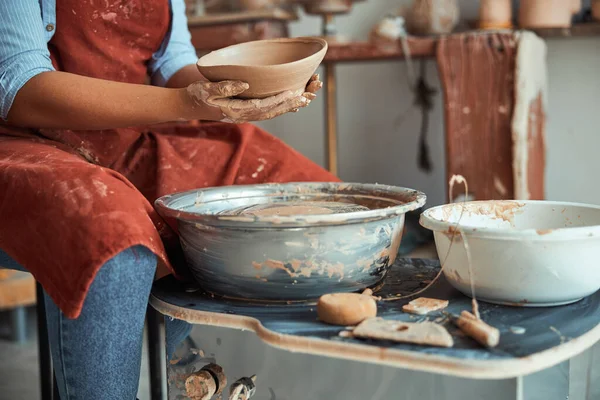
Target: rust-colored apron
[{"x": 71, "y": 200}]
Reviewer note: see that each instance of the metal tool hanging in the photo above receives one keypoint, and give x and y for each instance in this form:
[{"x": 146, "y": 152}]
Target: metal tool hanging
[{"x": 423, "y": 93}]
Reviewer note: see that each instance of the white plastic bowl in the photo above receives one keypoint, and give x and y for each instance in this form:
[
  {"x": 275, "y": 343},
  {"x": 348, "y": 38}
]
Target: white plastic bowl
[{"x": 525, "y": 253}]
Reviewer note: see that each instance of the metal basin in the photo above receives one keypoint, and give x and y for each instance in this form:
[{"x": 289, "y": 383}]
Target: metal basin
[{"x": 290, "y": 242}]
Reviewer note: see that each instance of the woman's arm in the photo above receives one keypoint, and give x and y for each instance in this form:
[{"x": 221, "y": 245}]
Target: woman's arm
[
  {"x": 33, "y": 95},
  {"x": 185, "y": 77},
  {"x": 69, "y": 101},
  {"x": 64, "y": 100}
]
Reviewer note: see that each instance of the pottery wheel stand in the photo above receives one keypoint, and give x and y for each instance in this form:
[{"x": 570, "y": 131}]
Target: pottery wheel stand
[{"x": 291, "y": 355}]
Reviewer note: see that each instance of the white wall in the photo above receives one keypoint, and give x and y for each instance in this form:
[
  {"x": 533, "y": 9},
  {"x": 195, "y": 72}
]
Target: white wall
[{"x": 372, "y": 96}]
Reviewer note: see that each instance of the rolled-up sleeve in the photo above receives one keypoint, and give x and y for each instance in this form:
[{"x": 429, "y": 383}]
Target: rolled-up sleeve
[
  {"x": 177, "y": 50},
  {"x": 23, "y": 48}
]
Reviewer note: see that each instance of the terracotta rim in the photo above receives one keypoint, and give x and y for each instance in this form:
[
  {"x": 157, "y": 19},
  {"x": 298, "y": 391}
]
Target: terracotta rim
[
  {"x": 427, "y": 220},
  {"x": 321, "y": 41}
]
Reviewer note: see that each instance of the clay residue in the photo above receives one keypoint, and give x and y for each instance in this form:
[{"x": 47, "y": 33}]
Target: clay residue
[
  {"x": 289, "y": 211},
  {"x": 275, "y": 264},
  {"x": 562, "y": 338},
  {"x": 335, "y": 269},
  {"x": 542, "y": 232},
  {"x": 455, "y": 275},
  {"x": 426, "y": 333},
  {"x": 297, "y": 268},
  {"x": 518, "y": 330},
  {"x": 424, "y": 305},
  {"x": 296, "y": 264},
  {"x": 503, "y": 210},
  {"x": 366, "y": 263}
]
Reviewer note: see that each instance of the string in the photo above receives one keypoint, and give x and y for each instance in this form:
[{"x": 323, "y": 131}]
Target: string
[{"x": 453, "y": 230}]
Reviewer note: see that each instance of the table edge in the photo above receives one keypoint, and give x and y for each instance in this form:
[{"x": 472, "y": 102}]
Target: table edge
[{"x": 464, "y": 368}]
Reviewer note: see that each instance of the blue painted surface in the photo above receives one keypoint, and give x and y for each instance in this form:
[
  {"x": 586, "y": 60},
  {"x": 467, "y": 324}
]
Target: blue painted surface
[{"x": 543, "y": 326}]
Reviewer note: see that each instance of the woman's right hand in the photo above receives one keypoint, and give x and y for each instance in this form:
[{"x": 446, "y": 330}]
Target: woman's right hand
[{"x": 218, "y": 96}]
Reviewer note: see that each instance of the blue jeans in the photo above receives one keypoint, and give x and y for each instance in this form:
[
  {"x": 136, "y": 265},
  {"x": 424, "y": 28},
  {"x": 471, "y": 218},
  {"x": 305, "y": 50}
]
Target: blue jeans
[{"x": 98, "y": 355}]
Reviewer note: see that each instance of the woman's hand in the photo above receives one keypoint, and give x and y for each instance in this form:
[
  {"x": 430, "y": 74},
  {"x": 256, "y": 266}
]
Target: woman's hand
[
  {"x": 61, "y": 100},
  {"x": 218, "y": 97}
]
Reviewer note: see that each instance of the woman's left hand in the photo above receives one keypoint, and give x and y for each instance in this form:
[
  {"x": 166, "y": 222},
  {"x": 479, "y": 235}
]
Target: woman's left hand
[{"x": 218, "y": 96}]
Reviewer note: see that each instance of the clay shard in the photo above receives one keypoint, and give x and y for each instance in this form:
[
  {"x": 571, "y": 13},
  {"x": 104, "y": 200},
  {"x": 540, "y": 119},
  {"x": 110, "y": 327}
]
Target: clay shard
[
  {"x": 478, "y": 330},
  {"x": 424, "y": 333},
  {"x": 346, "y": 308},
  {"x": 424, "y": 305}
]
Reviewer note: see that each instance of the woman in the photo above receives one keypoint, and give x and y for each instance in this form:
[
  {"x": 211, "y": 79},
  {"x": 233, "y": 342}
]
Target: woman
[{"x": 80, "y": 166}]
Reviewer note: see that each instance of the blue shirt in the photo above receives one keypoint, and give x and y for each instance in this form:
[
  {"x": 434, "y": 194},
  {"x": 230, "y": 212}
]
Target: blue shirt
[{"x": 26, "y": 27}]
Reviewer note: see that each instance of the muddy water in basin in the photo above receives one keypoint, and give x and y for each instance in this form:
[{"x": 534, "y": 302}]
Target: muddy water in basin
[{"x": 294, "y": 208}]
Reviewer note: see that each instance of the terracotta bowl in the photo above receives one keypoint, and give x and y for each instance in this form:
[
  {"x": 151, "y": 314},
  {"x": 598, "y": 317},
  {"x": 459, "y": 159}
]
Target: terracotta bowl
[{"x": 268, "y": 66}]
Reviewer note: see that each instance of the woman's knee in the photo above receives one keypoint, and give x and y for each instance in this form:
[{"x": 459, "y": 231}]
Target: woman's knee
[
  {"x": 127, "y": 276},
  {"x": 109, "y": 330}
]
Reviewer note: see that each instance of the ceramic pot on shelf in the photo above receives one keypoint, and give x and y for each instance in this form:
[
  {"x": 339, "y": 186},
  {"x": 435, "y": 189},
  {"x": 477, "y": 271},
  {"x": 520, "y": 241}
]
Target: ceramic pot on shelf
[
  {"x": 495, "y": 14},
  {"x": 254, "y": 5},
  {"x": 387, "y": 32},
  {"x": 547, "y": 13},
  {"x": 431, "y": 17},
  {"x": 320, "y": 7}
]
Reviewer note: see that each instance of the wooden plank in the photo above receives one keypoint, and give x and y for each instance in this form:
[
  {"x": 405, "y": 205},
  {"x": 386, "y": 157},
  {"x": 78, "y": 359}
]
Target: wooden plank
[
  {"x": 340, "y": 52},
  {"x": 17, "y": 290},
  {"x": 584, "y": 29},
  {"x": 275, "y": 14},
  {"x": 536, "y": 150},
  {"x": 477, "y": 73},
  {"x": 6, "y": 273}
]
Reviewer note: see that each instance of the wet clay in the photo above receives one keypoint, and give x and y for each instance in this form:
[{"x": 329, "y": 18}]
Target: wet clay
[
  {"x": 424, "y": 305},
  {"x": 296, "y": 208},
  {"x": 290, "y": 210},
  {"x": 269, "y": 67},
  {"x": 426, "y": 333},
  {"x": 346, "y": 309},
  {"x": 475, "y": 328}
]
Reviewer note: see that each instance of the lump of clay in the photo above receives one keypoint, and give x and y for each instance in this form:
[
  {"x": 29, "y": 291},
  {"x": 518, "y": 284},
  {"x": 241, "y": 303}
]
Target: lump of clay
[
  {"x": 427, "y": 333},
  {"x": 346, "y": 308},
  {"x": 424, "y": 305}
]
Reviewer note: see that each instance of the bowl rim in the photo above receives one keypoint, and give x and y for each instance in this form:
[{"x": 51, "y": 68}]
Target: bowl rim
[
  {"x": 163, "y": 203},
  {"x": 302, "y": 39},
  {"x": 426, "y": 220}
]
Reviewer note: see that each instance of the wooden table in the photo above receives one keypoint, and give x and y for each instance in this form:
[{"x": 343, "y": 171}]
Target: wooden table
[
  {"x": 17, "y": 291},
  {"x": 551, "y": 336}
]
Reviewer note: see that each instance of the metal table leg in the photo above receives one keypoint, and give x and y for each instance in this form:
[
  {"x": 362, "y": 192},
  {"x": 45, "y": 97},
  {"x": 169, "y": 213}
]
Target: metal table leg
[
  {"x": 584, "y": 376},
  {"x": 45, "y": 358},
  {"x": 330, "y": 103},
  {"x": 18, "y": 317},
  {"x": 156, "y": 354},
  {"x": 331, "y": 116}
]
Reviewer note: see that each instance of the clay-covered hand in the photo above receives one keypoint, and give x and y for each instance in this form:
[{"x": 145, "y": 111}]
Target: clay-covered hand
[{"x": 218, "y": 95}]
